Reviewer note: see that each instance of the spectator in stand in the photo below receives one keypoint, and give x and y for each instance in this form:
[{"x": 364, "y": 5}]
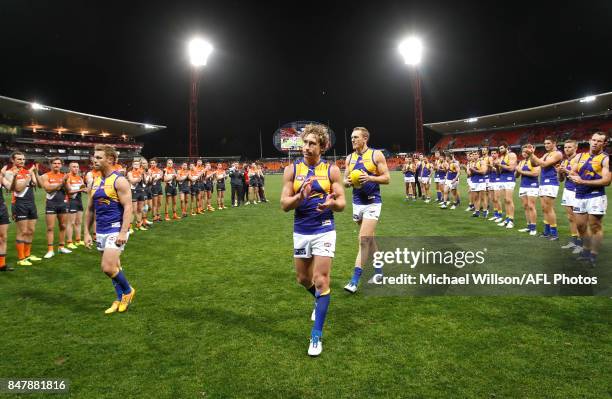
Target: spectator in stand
[{"x": 236, "y": 184}]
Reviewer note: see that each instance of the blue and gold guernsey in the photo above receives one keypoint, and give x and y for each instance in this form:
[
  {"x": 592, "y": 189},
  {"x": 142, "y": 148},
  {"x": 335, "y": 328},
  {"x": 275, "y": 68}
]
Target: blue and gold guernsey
[
  {"x": 307, "y": 219},
  {"x": 368, "y": 193},
  {"x": 527, "y": 181},
  {"x": 567, "y": 165},
  {"x": 506, "y": 175},
  {"x": 108, "y": 209},
  {"x": 426, "y": 169},
  {"x": 548, "y": 175},
  {"x": 589, "y": 168},
  {"x": 453, "y": 170}
]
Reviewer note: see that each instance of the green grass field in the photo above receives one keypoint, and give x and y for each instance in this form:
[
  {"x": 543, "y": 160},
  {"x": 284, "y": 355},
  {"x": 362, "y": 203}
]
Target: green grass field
[{"x": 219, "y": 314}]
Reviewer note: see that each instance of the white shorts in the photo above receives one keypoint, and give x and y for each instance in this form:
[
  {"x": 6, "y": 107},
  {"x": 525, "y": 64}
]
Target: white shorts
[
  {"x": 470, "y": 185},
  {"x": 549, "y": 190},
  {"x": 309, "y": 245},
  {"x": 438, "y": 180},
  {"x": 495, "y": 186},
  {"x": 592, "y": 206},
  {"x": 408, "y": 179},
  {"x": 424, "y": 180},
  {"x": 481, "y": 186},
  {"x": 528, "y": 191},
  {"x": 507, "y": 185},
  {"x": 370, "y": 211},
  {"x": 107, "y": 241},
  {"x": 569, "y": 198},
  {"x": 452, "y": 185}
]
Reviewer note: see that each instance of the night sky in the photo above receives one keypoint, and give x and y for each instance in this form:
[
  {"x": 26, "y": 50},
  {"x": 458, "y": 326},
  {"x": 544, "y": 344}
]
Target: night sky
[{"x": 333, "y": 62}]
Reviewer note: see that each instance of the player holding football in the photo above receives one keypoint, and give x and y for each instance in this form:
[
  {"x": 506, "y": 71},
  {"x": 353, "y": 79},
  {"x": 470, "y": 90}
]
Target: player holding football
[
  {"x": 366, "y": 171},
  {"x": 111, "y": 205},
  {"x": 313, "y": 187}
]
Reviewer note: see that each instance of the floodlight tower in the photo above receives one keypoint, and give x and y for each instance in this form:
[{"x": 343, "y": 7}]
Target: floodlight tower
[
  {"x": 199, "y": 50},
  {"x": 412, "y": 50}
]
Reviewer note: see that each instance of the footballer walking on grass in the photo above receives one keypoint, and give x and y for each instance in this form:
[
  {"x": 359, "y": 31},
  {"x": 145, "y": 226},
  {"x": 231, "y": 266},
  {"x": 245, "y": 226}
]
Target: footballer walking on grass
[
  {"x": 313, "y": 187},
  {"x": 366, "y": 170},
  {"x": 111, "y": 205}
]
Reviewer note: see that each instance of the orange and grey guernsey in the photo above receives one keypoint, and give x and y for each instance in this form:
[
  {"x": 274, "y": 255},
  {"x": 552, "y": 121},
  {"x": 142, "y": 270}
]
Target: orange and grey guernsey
[
  {"x": 308, "y": 220},
  {"x": 75, "y": 182},
  {"x": 27, "y": 194},
  {"x": 59, "y": 195}
]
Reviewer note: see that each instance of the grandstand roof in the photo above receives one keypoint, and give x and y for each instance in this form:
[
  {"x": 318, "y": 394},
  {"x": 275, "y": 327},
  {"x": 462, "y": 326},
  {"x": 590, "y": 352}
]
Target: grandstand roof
[
  {"x": 28, "y": 115},
  {"x": 587, "y": 107}
]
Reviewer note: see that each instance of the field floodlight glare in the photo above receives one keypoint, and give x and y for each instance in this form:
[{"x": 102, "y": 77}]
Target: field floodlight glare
[
  {"x": 588, "y": 99},
  {"x": 199, "y": 50},
  {"x": 412, "y": 50},
  {"x": 471, "y": 120},
  {"x": 38, "y": 107}
]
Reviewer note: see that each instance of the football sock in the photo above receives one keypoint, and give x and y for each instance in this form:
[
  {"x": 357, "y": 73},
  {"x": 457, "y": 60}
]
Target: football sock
[
  {"x": 2, "y": 260},
  {"x": 20, "y": 245},
  {"x": 119, "y": 277},
  {"x": 546, "y": 229},
  {"x": 356, "y": 275},
  {"x": 321, "y": 311},
  {"x": 439, "y": 194},
  {"x": 118, "y": 289},
  {"x": 553, "y": 230},
  {"x": 27, "y": 248}
]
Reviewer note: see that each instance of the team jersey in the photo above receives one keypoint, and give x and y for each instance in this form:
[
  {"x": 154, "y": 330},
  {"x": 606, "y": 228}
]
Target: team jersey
[
  {"x": 308, "y": 220},
  {"x": 59, "y": 195},
  {"x": 108, "y": 209},
  {"x": 137, "y": 174},
  {"x": 185, "y": 183},
  {"x": 493, "y": 175},
  {"x": 439, "y": 167},
  {"x": 368, "y": 193},
  {"x": 409, "y": 172},
  {"x": 506, "y": 175},
  {"x": 527, "y": 181},
  {"x": 168, "y": 171},
  {"x": 75, "y": 182},
  {"x": 548, "y": 175},
  {"x": 453, "y": 171},
  {"x": 27, "y": 194},
  {"x": 477, "y": 177},
  {"x": 487, "y": 163},
  {"x": 425, "y": 170},
  {"x": 567, "y": 165},
  {"x": 156, "y": 173},
  {"x": 590, "y": 168}
]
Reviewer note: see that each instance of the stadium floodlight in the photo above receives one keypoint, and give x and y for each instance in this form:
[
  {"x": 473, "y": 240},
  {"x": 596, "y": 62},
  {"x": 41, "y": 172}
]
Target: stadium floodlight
[
  {"x": 147, "y": 126},
  {"x": 38, "y": 107},
  {"x": 587, "y": 99},
  {"x": 471, "y": 120},
  {"x": 199, "y": 50},
  {"x": 412, "y": 50}
]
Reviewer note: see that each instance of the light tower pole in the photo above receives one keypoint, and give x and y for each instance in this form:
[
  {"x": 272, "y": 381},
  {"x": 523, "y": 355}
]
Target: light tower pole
[
  {"x": 199, "y": 50},
  {"x": 412, "y": 49}
]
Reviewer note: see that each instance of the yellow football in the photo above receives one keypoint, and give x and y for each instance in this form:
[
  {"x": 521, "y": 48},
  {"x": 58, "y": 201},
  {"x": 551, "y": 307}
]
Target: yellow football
[{"x": 354, "y": 176}]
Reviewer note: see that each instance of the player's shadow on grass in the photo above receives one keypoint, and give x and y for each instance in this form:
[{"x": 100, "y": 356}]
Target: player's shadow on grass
[
  {"x": 77, "y": 304},
  {"x": 227, "y": 319}
]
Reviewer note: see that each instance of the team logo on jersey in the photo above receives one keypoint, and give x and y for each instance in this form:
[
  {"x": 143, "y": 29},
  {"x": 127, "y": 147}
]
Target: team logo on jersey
[{"x": 300, "y": 178}]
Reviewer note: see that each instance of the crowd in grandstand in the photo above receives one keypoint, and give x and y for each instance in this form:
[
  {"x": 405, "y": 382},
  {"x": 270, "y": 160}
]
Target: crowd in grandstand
[{"x": 492, "y": 176}]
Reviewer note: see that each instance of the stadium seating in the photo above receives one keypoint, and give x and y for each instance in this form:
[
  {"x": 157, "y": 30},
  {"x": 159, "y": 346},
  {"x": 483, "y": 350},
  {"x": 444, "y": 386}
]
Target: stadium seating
[{"x": 580, "y": 131}]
